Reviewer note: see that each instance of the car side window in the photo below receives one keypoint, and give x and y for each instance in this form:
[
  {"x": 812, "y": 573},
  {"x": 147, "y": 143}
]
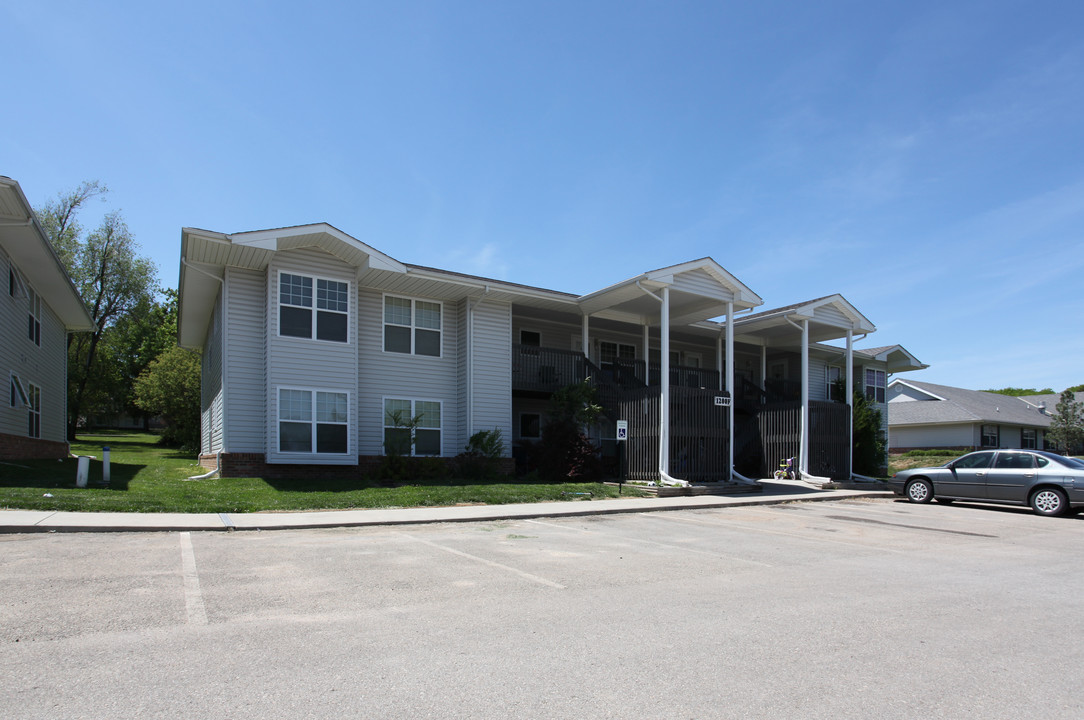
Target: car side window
[
  {"x": 974, "y": 461},
  {"x": 1041, "y": 461},
  {"x": 1013, "y": 461}
]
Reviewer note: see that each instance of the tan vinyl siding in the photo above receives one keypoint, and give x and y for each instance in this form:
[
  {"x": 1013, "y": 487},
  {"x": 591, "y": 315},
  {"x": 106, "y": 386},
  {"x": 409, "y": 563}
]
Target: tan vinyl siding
[
  {"x": 400, "y": 375},
  {"x": 310, "y": 364},
  {"x": 211, "y": 384},
  {"x": 44, "y": 366},
  {"x": 700, "y": 282},
  {"x": 245, "y": 371},
  {"x": 831, "y": 315}
]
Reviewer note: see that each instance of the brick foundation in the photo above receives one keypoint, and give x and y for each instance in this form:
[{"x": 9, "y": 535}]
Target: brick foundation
[
  {"x": 14, "y": 447},
  {"x": 253, "y": 465}
]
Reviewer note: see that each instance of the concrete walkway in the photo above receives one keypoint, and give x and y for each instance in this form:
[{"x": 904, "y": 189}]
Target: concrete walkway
[{"x": 775, "y": 492}]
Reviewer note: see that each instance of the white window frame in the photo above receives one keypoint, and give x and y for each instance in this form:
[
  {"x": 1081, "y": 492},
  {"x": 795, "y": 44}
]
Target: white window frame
[
  {"x": 16, "y": 284},
  {"x": 413, "y": 326},
  {"x": 875, "y": 389},
  {"x": 313, "y": 421},
  {"x": 314, "y": 308},
  {"x": 15, "y": 387},
  {"x": 388, "y": 425},
  {"x": 34, "y": 410},
  {"x": 830, "y": 382}
]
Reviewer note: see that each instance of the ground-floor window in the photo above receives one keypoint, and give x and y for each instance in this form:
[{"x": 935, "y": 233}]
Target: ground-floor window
[
  {"x": 990, "y": 436},
  {"x": 530, "y": 426},
  {"x": 313, "y": 421},
  {"x": 1028, "y": 439},
  {"x": 33, "y": 393},
  {"x": 412, "y": 427}
]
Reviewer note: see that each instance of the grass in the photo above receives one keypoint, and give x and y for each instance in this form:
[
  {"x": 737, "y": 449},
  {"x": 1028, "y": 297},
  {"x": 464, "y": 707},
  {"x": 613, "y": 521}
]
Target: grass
[
  {"x": 146, "y": 477},
  {"x": 925, "y": 458}
]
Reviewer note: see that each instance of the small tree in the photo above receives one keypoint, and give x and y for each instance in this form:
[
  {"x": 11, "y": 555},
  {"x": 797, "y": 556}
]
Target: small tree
[
  {"x": 1066, "y": 430},
  {"x": 869, "y": 439},
  {"x": 565, "y": 451},
  {"x": 170, "y": 387}
]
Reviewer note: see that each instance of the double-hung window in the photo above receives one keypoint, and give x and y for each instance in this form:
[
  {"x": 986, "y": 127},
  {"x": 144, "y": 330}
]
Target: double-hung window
[
  {"x": 411, "y": 427},
  {"x": 297, "y": 296},
  {"x": 833, "y": 391},
  {"x": 33, "y": 418},
  {"x": 875, "y": 385},
  {"x": 412, "y": 326},
  {"x": 313, "y": 421},
  {"x": 19, "y": 397},
  {"x": 991, "y": 436},
  {"x": 1028, "y": 439}
]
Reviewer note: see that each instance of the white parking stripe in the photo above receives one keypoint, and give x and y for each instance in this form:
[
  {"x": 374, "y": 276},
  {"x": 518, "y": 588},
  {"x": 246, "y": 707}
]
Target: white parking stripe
[
  {"x": 682, "y": 548},
  {"x": 460, "y": 553},
  {"x": 193, "y": 598}
]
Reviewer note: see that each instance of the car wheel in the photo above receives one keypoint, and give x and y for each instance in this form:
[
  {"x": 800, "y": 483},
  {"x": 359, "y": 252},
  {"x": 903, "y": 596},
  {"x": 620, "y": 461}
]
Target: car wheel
[
  {"x": 1049, "y": 501},
  {"x": 919, "y": 491},
  {"x": 945, "y": 501}
]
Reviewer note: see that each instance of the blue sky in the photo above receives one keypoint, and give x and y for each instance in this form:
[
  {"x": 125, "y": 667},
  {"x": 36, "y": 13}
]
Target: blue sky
[{"x": 925, "y": 160}]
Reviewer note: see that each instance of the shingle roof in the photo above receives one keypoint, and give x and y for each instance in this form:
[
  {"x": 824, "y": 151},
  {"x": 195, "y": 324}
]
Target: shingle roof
[{"x": 963, "y": 406}]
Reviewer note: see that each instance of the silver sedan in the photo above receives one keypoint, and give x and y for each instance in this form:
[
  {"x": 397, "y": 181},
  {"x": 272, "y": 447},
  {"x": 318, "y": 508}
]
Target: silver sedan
[{"x": 1051, "y": 484}]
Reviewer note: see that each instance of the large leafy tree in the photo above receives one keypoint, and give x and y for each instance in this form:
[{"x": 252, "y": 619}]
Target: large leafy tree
[
  {"x": 170, "y": 387},
  {"x": 116, "y": 284},
  {"x": 1066, "y": 429}
]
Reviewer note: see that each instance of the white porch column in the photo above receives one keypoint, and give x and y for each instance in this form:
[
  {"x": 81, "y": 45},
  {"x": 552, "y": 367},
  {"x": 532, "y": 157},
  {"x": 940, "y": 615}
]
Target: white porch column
[
  {"x": 664, "y": 382},
  {"x": 585, "y": 338},
  {"x": 730, "y": 381},
  {"x": 850, "y": 402},
  {"x": 803, "y": 452}
]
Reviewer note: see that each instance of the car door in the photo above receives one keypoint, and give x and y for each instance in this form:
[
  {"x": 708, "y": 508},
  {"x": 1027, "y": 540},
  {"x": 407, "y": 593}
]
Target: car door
[
  {"x": 966, "y": 476},
  {"x": 1012, "y": 474}
]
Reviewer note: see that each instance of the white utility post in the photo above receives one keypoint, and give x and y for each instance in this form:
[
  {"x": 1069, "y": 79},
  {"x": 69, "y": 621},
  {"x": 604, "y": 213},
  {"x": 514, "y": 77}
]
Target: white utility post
[
  {"x": 850, "y": 402},
  {"x": 730, "y": 380}
]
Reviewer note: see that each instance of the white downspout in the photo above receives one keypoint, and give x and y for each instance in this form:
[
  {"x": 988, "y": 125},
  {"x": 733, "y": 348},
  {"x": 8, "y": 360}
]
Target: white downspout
[
  {"x": 803, "y": 451},
  {"x": 735, "y": 476}
]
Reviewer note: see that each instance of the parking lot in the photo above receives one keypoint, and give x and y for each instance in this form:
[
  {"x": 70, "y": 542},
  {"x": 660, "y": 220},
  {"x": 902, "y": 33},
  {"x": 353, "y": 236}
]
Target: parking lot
[{"x": 861, "y": 608}]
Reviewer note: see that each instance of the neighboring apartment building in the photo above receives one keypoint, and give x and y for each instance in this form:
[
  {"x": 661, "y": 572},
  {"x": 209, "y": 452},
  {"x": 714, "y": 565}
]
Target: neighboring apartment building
[
  {"x": 924, "y": 415},
  {"x": 38, "y": 309},
  {"x": 313, "y": 341}
]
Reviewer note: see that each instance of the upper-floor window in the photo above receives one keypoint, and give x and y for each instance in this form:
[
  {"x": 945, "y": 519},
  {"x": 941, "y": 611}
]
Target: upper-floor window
[
  {"x": 313, "y": 421},
  {"x": 609, "y": 352},
  {"x": 875, "y": 385},
  {"x": 833, "y": 390},
  {"x": 296, "y": 305},
  {"x": 34, "y": 321},
  {"x": 412, "y": 326}
]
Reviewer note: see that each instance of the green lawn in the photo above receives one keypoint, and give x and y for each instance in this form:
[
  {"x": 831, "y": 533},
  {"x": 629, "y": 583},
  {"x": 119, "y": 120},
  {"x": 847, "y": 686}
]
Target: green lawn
[{"x": 148, "y": 478}]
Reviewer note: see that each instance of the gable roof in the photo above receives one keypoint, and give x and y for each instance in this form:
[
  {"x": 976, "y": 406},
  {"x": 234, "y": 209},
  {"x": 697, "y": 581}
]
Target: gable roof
[
  {"x": 949, "y": 404},
  {"x": 24, "y": 241},
  {"x": 699, "y": 289},
  {"x": 1048, "y": 404},
  {"x": 829, "y": 319}
]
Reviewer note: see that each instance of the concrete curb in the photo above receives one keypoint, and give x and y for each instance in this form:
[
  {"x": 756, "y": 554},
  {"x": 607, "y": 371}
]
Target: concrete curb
[{"x": 41, "y": 521}]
